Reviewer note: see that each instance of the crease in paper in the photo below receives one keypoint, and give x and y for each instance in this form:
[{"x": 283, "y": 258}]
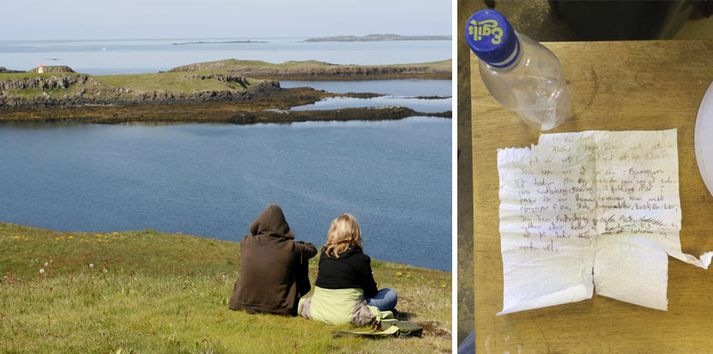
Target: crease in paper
[{"x": 590, "y": 211}]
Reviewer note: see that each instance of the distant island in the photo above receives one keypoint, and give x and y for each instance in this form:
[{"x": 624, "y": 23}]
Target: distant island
[
  {"x": 219, "y": 42},
  {"x": 319, "y": 70},
  {"x": 4, "y": 70},
  {"x": 378, "y": 38}
]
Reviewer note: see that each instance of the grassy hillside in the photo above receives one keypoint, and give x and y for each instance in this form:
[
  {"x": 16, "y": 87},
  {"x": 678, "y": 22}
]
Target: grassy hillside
[
  {"x": 129, "y": 86},
  {"x": 144, "y": 291},
  {"x": 317, "y": 70},
  {"x": 169, "y": 81}
]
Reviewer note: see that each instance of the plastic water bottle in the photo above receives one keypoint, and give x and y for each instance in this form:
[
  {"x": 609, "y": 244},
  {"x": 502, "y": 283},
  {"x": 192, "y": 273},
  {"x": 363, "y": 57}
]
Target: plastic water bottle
[{"x": 520, "y": 73}]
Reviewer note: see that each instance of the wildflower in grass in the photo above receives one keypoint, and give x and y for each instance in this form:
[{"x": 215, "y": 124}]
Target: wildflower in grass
[
  {"x": 91, "y": 265},
  {"x": 42, "y": 271},
  {"x": 46, "y": 264}
]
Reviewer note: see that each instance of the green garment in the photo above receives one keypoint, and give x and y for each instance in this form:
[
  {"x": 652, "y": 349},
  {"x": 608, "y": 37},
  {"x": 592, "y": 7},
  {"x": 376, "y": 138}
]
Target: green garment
[
  {"x": 386, "y": 328},
  {"x": 338, "y": 306}
]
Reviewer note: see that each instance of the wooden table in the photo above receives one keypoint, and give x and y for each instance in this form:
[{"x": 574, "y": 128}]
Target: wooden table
[{"x": 630, "y": 85}]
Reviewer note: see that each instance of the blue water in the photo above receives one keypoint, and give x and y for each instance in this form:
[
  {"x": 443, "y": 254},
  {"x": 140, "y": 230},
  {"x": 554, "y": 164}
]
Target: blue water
[
  {"x": 151, "y": 55},
  {"x": 398, "y": 88},
  {"x": 419, "y": 105},
  {"x": 213, "y": 179},
  {"x": 396, "y": 93}
]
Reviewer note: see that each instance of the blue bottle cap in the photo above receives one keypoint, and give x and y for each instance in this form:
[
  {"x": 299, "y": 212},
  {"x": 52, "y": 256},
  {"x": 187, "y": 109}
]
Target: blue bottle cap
[{"x": 491, "y": 38}]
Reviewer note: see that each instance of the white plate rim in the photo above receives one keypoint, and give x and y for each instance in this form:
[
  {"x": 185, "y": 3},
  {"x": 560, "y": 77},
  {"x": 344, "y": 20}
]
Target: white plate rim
[{"x": 703, "y": 145}]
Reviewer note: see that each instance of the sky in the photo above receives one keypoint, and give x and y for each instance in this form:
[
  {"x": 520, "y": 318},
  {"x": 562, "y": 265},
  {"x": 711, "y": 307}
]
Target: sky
[{"x": 121, "y": 19}]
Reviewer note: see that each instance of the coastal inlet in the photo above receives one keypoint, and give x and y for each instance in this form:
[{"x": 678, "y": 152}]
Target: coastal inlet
[{"x": 389, "y": 166}]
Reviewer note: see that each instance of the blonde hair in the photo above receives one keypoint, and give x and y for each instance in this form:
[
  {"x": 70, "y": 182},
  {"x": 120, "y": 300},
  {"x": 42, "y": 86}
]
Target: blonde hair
[{"x": 343, "y": 234}]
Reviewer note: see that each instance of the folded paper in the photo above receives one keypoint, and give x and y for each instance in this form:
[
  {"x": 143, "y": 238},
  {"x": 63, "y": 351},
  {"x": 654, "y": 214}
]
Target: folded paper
[{"x": 586, "y": 212}]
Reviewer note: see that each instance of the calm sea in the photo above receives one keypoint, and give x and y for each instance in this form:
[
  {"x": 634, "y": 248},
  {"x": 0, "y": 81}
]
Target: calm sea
[
  {"x": 403, "y": 93},
  {"x": 151, "y": 55},
  {"x": 213, "y": 179}
]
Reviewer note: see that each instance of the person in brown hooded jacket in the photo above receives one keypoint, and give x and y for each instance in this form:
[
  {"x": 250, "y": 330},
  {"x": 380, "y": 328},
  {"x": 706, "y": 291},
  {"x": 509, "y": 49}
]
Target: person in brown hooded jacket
[{"x": 273, "y": 267}]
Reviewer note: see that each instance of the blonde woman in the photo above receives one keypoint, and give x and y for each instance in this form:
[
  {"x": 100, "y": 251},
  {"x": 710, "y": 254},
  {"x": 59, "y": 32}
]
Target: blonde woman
[{"x": 345, "y": 290}]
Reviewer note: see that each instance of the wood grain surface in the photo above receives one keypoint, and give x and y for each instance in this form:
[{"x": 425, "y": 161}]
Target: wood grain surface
[{"x": 625, "y": 85}]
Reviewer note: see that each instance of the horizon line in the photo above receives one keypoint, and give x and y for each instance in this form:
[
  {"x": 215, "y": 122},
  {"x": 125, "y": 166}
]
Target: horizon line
[{"x": 209, "y": 37}]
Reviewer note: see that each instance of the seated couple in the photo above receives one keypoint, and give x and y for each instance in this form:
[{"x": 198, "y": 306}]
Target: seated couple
[{"x": 274, "y": 273}]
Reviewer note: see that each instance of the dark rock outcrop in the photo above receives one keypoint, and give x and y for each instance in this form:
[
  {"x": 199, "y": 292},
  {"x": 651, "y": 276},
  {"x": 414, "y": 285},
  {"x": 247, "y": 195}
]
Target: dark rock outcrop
[
  {"x": 221, "y": 112},
  {"x": 239, "y": 79},
  {"x": 115, "y": 99},
  {"x": 4, "y": 70},
  {"x": 45, "y": 83}
]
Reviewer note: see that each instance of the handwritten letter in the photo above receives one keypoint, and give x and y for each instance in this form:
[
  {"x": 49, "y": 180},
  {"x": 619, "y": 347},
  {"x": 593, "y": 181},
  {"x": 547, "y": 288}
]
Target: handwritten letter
[{"x": 590, "y": 210}]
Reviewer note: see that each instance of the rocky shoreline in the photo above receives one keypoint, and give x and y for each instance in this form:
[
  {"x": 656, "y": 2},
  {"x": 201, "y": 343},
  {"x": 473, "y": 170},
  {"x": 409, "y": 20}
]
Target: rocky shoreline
[
  {"x": 116, "y": 98},
  {"x": 216, "y": 112}
]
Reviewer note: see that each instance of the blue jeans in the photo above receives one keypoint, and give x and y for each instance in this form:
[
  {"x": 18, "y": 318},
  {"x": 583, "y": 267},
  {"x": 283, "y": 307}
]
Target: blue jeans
[{"x": 384, "y": 300}]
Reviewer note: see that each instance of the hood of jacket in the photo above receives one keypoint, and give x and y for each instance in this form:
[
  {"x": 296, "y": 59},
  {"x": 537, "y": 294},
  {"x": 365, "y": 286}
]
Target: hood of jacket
[{"x": 271, "y": 222}]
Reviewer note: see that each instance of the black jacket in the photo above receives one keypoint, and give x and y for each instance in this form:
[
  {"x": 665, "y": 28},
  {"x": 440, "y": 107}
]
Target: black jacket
[{"x": 352, "y": 269}]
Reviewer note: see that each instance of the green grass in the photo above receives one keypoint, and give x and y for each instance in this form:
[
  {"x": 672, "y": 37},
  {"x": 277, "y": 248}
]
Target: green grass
[
  {"x": 238, "y": 65},
  {"x": 107, "y": 85},
  {"x": 10, "y": 76},
  {"x": 176, "y": 82},
  {"x": 156, "y": 292}
]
